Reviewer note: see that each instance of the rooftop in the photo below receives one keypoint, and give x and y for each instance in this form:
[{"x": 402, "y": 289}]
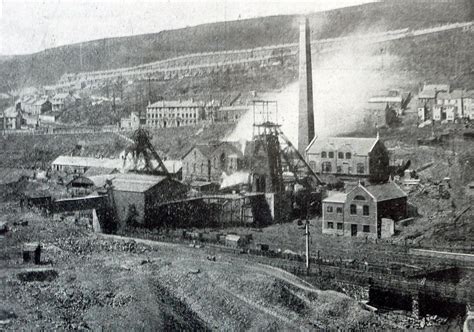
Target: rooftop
[
  {"x": 386, "y": 191},
  {"x": 175, "y": 103},
  {"x": 356, "y": 145},
  {"x": 88, "y": 162},
  {"x": 135, "y": 182},
  {"x": 336, "y": 197}
]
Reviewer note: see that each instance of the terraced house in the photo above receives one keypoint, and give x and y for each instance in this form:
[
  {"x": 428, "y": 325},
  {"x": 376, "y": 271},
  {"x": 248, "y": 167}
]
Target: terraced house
[
  {"x": 361, "y": 211},
  {"x": 174, "y": 113},
  {"x": 349, "y": 158}
]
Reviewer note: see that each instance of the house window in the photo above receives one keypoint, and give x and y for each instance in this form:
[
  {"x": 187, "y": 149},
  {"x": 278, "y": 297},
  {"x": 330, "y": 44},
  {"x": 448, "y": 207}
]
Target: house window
[
  {"x": 330, "y": 225},
  {"x": 339, "y": 225},
  {"x": 326, "y": 167},
  {"x": 359, "y": 198},
  {"x": 339, "y": 210},
  {"x": 348, "y": 155},
  {"x": 331, "y": 154},
  {"x": 340, "y": 155},
  {"x": 366, "y": 229},
  {"x": 312, "y": 165},
  {"x": 360, "y": 168},
  {"x": 339, "y": 169},
  {"x": 365, "y": 210},
  {"x": 329, "y": 209},
  {"x": 353, "y": 209},
  {"x": 323, "y": 154}
]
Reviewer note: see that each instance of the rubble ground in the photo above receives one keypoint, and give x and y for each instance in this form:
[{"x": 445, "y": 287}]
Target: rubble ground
[{"x": 122, "y": 284}]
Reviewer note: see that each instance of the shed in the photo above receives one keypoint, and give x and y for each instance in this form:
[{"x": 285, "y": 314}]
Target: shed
[
  {"x": 234, "y": 241},
  {"x": 137, "y": 197}
]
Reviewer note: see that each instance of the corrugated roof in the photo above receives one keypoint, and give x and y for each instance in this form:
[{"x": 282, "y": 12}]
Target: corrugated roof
[
  {"x": 135, "y": 182},
  {"x": 336, "y": 197},
  {"x": 386, "y": 191},
  {"x": 357, "y": 145}
]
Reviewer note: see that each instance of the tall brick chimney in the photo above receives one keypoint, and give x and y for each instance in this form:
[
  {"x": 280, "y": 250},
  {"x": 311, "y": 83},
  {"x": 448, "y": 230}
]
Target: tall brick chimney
[{"x": 305, "y": 113}]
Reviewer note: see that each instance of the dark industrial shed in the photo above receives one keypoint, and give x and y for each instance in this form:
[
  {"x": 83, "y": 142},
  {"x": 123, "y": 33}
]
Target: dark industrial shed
[{"x": 136, "y": 197}]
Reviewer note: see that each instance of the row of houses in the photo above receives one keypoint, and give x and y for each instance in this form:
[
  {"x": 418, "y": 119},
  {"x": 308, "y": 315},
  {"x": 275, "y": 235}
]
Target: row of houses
[
  {"x": 36, "y": 105},
  {"x": 439, "y": 103},
  {"x": 179, "y": 113}
]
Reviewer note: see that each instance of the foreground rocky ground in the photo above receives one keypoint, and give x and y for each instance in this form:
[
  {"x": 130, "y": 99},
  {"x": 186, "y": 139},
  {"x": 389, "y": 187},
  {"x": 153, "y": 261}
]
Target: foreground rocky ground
[{"x": 87, "y": 281}]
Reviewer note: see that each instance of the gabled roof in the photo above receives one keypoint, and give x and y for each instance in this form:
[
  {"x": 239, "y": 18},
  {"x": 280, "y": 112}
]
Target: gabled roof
[
  {"x": 173, "y": 166},
  {"x": 357, "y": 145},
  {"x": 336, "y": 197},
  {"x": 135, "y": 182},
  {"x": 386, "y": 191}
]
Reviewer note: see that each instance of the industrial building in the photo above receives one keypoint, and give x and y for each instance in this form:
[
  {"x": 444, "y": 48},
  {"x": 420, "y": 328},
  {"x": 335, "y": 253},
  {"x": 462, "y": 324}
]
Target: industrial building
[
  {"x": 80, "y": 165},
  {"x": 360, "y": 211},
  {"x": 137, "y": 197},
  {"x": 207, "y": 162},
  {"x": 349, "y": 157}
]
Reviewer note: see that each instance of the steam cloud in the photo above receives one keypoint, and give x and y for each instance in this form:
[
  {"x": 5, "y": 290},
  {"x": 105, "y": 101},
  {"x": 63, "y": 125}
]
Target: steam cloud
[{"x": 342, "y": 84}]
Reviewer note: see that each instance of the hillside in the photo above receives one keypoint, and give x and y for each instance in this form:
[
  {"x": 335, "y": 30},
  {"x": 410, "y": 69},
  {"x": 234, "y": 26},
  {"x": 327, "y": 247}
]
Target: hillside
[{"x": 47, "y": 66}]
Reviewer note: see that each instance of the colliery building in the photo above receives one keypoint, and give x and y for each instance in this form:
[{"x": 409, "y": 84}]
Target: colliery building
[
  {"x": 137, "y": 197},
  {"x": 362, "y": 210},
  {"x": 349, "y": 157},
  {"x": 207, "y": 162}
]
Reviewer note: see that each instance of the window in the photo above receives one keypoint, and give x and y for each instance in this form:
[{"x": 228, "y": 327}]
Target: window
[
  {"x": 323, "y": 154},
  {"x": 360, "y": 168},
  {"x": 312, "y": 165},
  {"x": 339, "y": 169},
  {"x": 365, "y": 210},
  {"x": 353, "y": 209},
  {"x": 348, "y": 155},
  {"x": 339, "y": 210},
  {"x": 326, "y": 167},
  {"x": 330, "y": 225},
  {"x": 339, "y": 225},
  {"x": 366, "y": 229},
  {"x": 359, "y": 198},
  {"x": 329, "y": 209},
  {"x": 340, "y": 155},
  {"x": 331, "y": 154}
]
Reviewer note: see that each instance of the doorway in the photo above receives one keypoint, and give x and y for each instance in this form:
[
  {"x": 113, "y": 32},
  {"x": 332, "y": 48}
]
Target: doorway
[{"x": 353, "y": 229}]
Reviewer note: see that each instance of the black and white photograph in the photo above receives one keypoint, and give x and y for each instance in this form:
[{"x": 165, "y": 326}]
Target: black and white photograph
[{"x": 237, "y": 165}]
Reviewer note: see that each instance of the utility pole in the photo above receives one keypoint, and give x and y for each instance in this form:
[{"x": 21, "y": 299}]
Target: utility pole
[{"x": 307, "y": 245}]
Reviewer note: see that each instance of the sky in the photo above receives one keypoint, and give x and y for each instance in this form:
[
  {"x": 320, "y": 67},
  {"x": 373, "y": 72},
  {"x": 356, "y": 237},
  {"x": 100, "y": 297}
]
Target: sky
[{"x": 28, "y": 26}]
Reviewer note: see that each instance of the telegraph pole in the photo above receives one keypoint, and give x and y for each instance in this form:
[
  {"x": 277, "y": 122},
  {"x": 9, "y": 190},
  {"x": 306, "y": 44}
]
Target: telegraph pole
[{"x": 307, "y": 245}]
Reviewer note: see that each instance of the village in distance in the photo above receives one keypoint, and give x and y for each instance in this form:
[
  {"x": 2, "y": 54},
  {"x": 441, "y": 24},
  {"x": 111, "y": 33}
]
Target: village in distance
[{"x": 310, "y": 178}]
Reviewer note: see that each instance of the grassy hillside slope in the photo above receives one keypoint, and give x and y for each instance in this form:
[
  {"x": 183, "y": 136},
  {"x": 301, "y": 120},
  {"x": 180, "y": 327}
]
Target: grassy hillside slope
[{"x": 47, "y": 66}]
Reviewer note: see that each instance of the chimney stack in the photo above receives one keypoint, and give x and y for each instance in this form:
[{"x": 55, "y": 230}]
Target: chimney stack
[{"x": 306, "y": 113}]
